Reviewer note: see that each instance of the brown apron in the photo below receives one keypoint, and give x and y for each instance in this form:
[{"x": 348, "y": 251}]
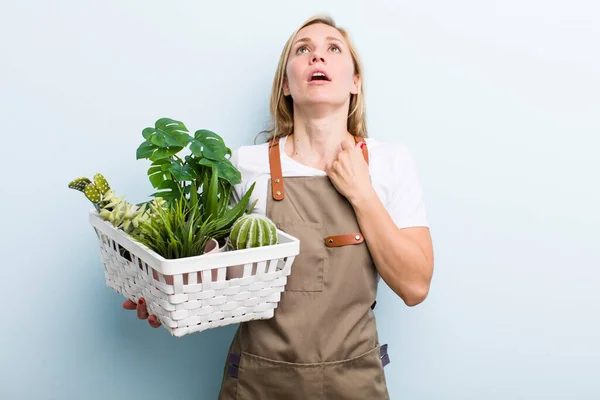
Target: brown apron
[{"x": 322, "y": 342}]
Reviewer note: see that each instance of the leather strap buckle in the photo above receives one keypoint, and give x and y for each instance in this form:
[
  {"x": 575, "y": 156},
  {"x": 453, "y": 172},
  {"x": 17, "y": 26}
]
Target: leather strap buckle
[{"x": 344, "y": 240}]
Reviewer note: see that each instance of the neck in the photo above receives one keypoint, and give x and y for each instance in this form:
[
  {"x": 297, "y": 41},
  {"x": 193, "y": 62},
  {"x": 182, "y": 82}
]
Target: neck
[{"x": 317, "y": 138}]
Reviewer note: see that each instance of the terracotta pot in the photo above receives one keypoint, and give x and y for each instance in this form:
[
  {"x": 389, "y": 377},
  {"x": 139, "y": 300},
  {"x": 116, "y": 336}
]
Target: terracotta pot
[
  {"x": 211, "y": 247},
  {"x": 236, "y": 271}
]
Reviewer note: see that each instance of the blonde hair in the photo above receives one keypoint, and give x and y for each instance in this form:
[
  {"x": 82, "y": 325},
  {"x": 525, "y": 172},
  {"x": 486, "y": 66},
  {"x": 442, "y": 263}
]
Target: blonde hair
[{"x": 282, "y": 108}]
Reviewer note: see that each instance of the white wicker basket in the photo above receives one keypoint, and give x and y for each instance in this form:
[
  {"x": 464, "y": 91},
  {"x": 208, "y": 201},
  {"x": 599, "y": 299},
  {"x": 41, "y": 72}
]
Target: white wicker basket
[{"x": 193, "y": 294}]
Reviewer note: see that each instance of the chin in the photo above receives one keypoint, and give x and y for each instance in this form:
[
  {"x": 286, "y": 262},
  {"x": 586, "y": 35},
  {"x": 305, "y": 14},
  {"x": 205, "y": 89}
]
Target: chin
[{"x": 321, "y": 100}]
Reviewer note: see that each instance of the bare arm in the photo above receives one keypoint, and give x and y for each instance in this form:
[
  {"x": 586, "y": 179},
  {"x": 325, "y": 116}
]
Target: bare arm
[{"x": 403, "y": 257}]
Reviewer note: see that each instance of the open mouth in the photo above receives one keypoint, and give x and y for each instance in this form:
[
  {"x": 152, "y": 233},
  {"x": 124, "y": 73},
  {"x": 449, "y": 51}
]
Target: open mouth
[{"x": 319, "y": 76}]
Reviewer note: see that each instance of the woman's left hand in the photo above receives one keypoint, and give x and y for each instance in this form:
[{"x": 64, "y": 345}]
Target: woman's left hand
[{"x": 349, "y": 172}]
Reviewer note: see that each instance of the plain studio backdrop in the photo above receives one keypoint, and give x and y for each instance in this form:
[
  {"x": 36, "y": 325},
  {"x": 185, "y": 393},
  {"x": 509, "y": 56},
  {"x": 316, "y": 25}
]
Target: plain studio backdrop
[{"x": 498, "y": 101}]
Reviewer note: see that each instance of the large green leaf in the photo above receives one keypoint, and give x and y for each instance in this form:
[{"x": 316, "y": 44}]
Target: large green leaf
[
  {"x": 182, "y": 172},
  {"x": 193, "y": 164},
  {"x": 206, "y": 162},
  {"x": 156, "y": 179},
  {"x": 147, "y": 132},
  {"x": 165, "y": 152},
  {"x": 209, "y": 145},
  {"x": 157, "y": 172},
  {"x": 145, "y": 150},
  {"x": 228, "y": 172},
  {"x": 167, "y": 132}
]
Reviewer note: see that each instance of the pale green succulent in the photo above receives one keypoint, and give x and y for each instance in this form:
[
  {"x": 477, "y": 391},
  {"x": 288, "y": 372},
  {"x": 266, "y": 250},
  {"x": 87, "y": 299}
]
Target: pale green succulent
[
  {"x": 116, "y": 210},
  {"x": 125, "y": 216}
]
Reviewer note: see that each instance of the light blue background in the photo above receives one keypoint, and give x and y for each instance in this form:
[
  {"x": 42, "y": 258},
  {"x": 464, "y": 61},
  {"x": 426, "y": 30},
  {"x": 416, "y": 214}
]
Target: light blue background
[{"x": 498, "y": 100}]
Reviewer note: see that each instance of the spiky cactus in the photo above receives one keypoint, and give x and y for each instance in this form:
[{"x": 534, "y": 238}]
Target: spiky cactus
[{"x": 253, "y": 230}]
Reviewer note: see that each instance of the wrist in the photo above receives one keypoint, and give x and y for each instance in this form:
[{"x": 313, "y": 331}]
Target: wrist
[{"x": 363, "y": 198}]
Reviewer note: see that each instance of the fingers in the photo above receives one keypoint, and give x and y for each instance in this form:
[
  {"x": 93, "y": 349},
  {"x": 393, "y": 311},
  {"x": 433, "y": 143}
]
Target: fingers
[
  {"x": 142, "y": 311},
  {"x": 129, "y": 305},
  {"x": 347, "y": 144},
  {"x": 332, "y": 167},
  {"x": 153, "y": 321},
  {"x": 335, "y": 166}
]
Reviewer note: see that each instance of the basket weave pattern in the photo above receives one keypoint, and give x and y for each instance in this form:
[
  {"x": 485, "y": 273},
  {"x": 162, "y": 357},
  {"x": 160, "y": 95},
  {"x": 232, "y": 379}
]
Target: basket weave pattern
[{"x": 196, "y": 299}]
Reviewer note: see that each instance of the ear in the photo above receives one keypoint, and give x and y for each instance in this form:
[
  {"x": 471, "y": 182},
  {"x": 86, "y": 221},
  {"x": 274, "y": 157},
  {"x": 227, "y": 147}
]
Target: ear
[
  {"x": 355, "y": 85},
  {"x": 286, "y": 88}
]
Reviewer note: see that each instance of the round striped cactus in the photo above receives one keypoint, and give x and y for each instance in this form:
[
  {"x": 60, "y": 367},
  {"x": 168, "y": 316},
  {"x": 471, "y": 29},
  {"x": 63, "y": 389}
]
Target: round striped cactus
[{"x": 253, "y": 230}]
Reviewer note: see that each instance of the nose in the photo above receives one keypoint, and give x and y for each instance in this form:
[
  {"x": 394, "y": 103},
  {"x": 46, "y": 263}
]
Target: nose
[{"x": 317, "y": 58}]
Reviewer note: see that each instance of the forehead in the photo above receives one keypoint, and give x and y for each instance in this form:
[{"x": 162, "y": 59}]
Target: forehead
[{"x": 318, "y": 31}]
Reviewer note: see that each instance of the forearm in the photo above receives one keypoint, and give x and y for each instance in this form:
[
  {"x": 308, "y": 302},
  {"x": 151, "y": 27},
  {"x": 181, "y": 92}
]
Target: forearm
[{"x": 400, "y": 259}]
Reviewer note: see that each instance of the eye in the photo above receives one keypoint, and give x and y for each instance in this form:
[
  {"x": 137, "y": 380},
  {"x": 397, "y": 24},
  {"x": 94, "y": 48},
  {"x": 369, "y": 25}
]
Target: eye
[
  {"x": 336, "y": 47},
  {"x": 299, "y": 51}
]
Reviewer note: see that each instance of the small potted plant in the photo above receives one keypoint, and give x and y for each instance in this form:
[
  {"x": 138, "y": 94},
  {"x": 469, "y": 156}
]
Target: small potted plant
[
  {"x": 250, "y": 231},
  {"x": 177, "y": 249},
  {"x": 207, "y": 168}
]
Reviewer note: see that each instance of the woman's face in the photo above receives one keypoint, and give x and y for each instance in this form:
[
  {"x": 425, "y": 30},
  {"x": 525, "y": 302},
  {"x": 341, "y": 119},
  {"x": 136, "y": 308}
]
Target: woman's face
[{"x": 320, "y": 68}]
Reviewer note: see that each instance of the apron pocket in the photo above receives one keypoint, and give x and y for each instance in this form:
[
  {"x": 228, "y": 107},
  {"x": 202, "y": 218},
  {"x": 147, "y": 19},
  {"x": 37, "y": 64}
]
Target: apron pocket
[
  {"x": 308, "y": 268},
  {"x": 265, "y": 379},
  {"x": 358, "y": 378}
]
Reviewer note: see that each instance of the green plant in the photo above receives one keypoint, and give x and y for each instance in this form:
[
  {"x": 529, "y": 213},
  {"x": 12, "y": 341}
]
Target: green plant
[
  {"x": 207, "y": 168},
  {"x": 192, "y": 204},
  {"x": 116, "y": 210},
  {"x": 253, "y": 231},
  {"x": 97, "y": 192},
  {"x": 173, "y": 175},
  {"x": 177, "y": 230}
]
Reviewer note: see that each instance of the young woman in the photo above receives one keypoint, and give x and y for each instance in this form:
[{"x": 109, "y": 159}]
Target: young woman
[{"x": 355, "y": 204}]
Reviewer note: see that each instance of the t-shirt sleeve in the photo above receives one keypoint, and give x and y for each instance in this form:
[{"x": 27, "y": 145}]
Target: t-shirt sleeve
[{"x": 406, "y": 207}]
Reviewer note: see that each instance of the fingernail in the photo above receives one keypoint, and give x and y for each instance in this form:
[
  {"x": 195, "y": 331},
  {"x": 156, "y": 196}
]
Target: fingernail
[
  {"x": 362, "y": 144},
  {"x": 141, "y": 302},
  {"x": 142, "y": 313}
]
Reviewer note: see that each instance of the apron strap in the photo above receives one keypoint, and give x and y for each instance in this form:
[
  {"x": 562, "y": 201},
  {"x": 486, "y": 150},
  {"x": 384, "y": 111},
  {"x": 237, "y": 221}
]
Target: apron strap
[
  {"x": 277, "y": 189},
  {"x": 276, "y": 174}
]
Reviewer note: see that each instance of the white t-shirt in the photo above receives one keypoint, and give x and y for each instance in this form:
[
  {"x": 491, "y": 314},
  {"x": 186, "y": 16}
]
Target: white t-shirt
[{"x": 391, "y": 166}]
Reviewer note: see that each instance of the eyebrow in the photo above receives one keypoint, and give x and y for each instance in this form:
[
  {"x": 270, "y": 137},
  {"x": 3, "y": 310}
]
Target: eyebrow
[{"x": 309, "y": 40}]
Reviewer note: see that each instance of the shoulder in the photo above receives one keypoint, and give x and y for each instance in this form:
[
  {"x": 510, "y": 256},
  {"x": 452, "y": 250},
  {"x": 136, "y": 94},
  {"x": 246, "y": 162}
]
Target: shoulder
[
  {"x": 388, "y": 157},
  {"x": 396, "y": 180},
  {"x": 252, "y": 163},
  {"x": 250, "y": 158}
]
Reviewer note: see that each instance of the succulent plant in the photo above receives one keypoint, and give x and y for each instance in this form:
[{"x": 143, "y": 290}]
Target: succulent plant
[
  {"x": 253, "y": 230},
  {"x": 121, "y": 214},
  {"x": 101, "y": 183}
]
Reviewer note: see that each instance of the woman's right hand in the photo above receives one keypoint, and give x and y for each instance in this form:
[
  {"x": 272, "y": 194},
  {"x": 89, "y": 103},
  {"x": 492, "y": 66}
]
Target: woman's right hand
[{"x": 142, "y": 311}]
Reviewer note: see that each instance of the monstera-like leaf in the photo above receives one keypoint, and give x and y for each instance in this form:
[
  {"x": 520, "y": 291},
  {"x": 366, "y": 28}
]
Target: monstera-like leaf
[
  {"x": 207, "y": 144},
  {"x": 208, "y": 168},
  {"x": 168, "y": 137}
]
